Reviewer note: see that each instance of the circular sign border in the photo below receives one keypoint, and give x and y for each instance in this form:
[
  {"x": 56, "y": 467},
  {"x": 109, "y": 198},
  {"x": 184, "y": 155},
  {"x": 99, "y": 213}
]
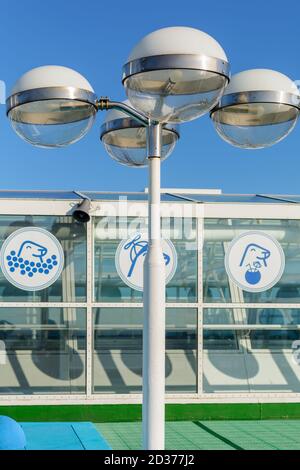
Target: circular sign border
[
  {"x": 120, "y": 273},
  {"x": 254, "y": 289},
  {"x": 7, "y": 275}
]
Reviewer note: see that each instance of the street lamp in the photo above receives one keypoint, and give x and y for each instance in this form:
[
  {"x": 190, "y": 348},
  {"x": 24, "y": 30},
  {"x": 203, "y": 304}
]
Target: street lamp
[
  {"x": 259, "y": 108},
  {"x": 173, "y": 75}
]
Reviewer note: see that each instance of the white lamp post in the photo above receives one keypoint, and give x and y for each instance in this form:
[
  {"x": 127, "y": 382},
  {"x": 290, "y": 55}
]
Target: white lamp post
[{"x": 173, "y": 75}]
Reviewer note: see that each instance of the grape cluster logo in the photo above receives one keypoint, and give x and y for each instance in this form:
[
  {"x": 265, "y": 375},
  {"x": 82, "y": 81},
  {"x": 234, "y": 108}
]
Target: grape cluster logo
[
  {"x": 254, "y": 261},
  {"x": 130, "y": 256},
  {"x": 31, "y": 258}
]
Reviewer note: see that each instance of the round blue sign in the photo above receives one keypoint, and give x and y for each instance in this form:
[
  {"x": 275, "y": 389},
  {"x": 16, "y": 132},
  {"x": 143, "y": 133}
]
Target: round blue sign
[
  {"x": 130, "y": 257},
  {"x": 254, "y": 261},
  {"x": 31, "y": 258}
]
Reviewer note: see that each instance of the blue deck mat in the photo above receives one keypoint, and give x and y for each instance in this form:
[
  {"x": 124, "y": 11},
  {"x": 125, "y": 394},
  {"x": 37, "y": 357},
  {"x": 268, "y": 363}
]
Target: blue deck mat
[{"x": 63, "y": 436}]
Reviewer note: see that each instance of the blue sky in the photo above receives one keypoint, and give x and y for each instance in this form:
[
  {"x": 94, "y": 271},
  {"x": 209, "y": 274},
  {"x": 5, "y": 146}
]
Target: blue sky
[{"x": 95, "y": 38}]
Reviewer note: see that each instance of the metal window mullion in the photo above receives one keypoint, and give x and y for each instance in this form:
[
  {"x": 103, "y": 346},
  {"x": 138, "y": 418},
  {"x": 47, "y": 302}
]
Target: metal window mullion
[
  {"x": 140, "y": 305},
  {"x": 251, "y": 305},
  {"x": 89, "y": 309},
  {"x": 199, "y": 352},
  {"x": 43, "y": 304},
  {"x": 253, "y": 326}
]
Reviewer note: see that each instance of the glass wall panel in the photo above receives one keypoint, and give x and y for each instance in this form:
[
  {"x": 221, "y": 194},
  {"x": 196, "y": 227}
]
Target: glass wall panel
[
  {"x": 109, "y": 231},
  {"x": 218, "y": 316},
  {"x": 218, "y": 235},
  {"x": 117, "y": 365},
  {"x": 259, "y": 356},
  {"x": 252, "y": 316},
  {"x": 274, "y": 339},
  {"x": 71, "y": 285},
  {"x": 226, "y": 340},
  {"x": 42, "y": 350}
]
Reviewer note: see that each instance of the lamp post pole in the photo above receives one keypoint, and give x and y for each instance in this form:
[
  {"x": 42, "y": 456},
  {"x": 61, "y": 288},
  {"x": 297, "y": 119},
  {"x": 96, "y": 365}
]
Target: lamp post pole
[{"x": 154, "y": 306}]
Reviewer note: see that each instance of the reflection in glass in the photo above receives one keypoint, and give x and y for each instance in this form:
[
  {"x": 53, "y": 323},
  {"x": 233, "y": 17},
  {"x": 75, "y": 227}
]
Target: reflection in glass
[
  {"x": 274, "y": 339},
  {"x": 117, "y": 365},
  {"x": 218, "y": 316},
  {"x": 45, "y": 350},
  {"x": 220, "y": 340}
]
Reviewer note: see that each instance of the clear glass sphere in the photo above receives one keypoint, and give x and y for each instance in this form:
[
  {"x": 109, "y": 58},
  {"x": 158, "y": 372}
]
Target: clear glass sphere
[
  {"x": 255, "y": 125},
  {"x": 52, "y": 123},
  {"x": 129, "y": 146},
  {"x": 175, "y": 95}
]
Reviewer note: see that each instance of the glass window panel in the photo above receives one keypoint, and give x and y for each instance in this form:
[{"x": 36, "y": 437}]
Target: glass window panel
[
  {"x": 117, "y": 365},
  {"x": 274, "y": 339},
  {"x": 220, "y": 340},
  {"x": 251, "y": 316},
  {"x": 273, "y": 316},
  {"x": 220, "y": 232},
  {"x": 108, "y": 233},
  {"x": 107, "y": 196},
  {"x": 218, "y": 316},
  {"x": 228, "y": 198},
  {"x": 263, "y": 356},
  {"x": 45, "y": 350},
  {"x": 287, "y": 321},
  {"x": 71, "y": 285}
]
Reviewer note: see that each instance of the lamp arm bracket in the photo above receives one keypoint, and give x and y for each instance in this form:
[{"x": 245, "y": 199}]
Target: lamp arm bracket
[{"x": 104, "y": 104}]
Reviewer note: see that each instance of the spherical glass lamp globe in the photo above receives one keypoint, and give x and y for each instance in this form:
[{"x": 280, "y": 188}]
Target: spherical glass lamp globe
[
  {"x": 176, "y": 74},
  {"x": 125, "y": 139},
  {"x": 259, "y": 108},
  {"x": 51, "y": 106}
]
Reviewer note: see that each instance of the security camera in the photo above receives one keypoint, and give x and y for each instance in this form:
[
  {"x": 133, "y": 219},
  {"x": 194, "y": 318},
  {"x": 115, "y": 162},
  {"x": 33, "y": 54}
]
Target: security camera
[{"x": 81, "y": 213}]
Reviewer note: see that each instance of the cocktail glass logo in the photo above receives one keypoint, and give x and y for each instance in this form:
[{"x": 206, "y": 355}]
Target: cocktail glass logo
[
  {"x": 130, "y": 256},
  {"x": 254, "y": 261},
  {"x": 296, "y": 352},
  {"x": 31, "y": 258},
  {"x": 139, "y": 248}
]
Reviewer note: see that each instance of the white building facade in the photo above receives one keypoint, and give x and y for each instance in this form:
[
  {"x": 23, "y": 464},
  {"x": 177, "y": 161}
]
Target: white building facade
[{"x": 79, "y": 340}]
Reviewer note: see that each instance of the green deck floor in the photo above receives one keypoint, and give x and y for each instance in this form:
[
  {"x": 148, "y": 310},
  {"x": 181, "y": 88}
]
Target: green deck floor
[{"x": 210, "y": 435}]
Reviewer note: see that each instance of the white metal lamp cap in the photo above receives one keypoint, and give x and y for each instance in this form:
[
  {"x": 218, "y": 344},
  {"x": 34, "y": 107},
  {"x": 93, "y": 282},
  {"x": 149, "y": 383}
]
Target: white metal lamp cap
[
  {"x": 177, "y": 40},
  {"x": 50, "y": 76},
  {"x": 260, "y": 79}
]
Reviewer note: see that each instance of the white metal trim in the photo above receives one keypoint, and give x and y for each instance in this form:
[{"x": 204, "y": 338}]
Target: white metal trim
[
  {"x": 89, "y": 310},
  {"x": 199, "y": 352},
  {"x": 245, "y": 397},
  {"x": 251, "y": 305}
]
